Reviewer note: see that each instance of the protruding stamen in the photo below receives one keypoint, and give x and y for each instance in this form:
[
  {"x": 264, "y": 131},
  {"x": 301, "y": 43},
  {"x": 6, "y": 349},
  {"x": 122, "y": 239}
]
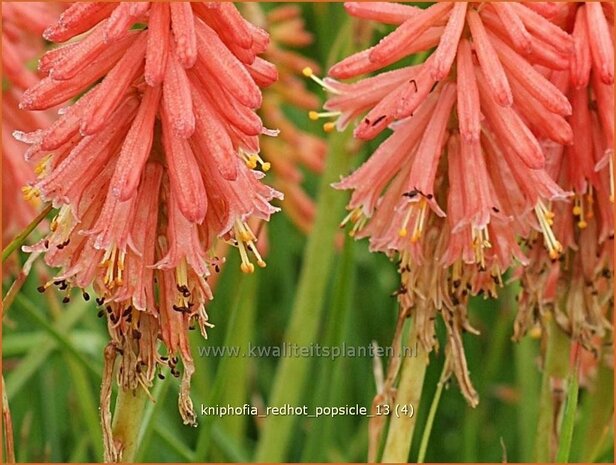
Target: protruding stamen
[
  {"x": 481, "y": 241},
  {"x": 357, "y": 217},
  {"x": 420, "y": 222},
  {"x": 315, "y": 115},
  {"x": 307, "y": 71},
  {"x": 544, "y": 215},
  {"x": 246, "y": 242},
  {"x": 30, "y": 192},
  {"x": 253, "y": 160}
]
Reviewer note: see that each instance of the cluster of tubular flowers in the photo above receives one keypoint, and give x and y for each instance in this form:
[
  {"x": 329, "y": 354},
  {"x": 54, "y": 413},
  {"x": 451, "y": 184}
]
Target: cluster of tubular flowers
[
  {"x": 155, "y": 161},
  {"x": 578, "y": 288},
  {"x": 294, "y": 149},
  {"x": 22, "y": 26},
  {"x": 464, "y": 177}
]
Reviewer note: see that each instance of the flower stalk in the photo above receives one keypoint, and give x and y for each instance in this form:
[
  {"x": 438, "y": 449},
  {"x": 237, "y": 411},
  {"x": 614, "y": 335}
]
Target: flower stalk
[
  {"x": 401, "y": 427},
  {"x": 127, "y": 423},
  {"x": 555, "y": 371}
]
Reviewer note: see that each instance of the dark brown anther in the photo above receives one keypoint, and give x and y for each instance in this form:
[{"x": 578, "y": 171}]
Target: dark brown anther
[
  {"x": 136, "y": 334},
  {"x": 66, "y": 299},
  {"x": 161, "y": 376},
  {"x": 100, "y": 300},
  {"x": 41, "y": 289},
  {"x": 412, "y": 81},
  {"x": 86, "y": 296}
]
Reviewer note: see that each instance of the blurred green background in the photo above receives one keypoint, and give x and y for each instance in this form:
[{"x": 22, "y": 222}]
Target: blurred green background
[{"x": 52, "y": 355}]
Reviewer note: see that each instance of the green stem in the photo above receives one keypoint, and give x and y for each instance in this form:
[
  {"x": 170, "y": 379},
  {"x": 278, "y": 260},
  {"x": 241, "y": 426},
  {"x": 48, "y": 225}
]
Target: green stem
[
  {"x": 555, "y": 370},
  {"x": 425, "y": 437},
  {"x": 23, "y": 235},
  {"x": 401, "y": 427},
  {"x": 127, "y": 421},
  {"x": 292, "y": 373},
  {"x": 566, "y": 434},
  {"x": 527, "y": 379}
]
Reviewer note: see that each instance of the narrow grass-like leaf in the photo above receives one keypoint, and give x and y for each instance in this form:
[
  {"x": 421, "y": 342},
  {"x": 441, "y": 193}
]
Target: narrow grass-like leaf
[
  {"x": 292, "y": 373},
  {"x": 568, "y": 423},
  {"x": 39, "y": 354}
]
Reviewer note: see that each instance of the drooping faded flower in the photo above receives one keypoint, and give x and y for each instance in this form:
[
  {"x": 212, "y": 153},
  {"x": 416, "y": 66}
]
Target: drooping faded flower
[
  {"x": 462, "y": 177},
  {"x": 22, "y": 26},
  {"x": 578, "y": 288},
  {"x": 153, "y": 163}
]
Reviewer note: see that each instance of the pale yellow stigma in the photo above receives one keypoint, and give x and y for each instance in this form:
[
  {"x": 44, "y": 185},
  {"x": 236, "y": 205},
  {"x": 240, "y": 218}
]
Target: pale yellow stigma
[
  {"x": 545, "y": 216},
  {"x": 246, "y": 243},
  {"x": 309, "y": 73}
]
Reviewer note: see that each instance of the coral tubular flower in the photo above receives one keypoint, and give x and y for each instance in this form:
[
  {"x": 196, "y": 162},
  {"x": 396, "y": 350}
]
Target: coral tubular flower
[
  {"x": 22, "y": 25},
  {"x": 294, "y": 149},
  {"x": 578, "y": 288},
  {"x": 465, "y": 166},
  {"x": 151, "y": 166}
]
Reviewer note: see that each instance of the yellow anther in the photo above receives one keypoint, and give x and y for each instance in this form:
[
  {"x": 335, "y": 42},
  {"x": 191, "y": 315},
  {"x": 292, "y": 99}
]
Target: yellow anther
[
  {"x": 251, "y": 162},
  {"x": 416, "y": 236},
  {"x": 261, "y": 263},
  {"x": 266, "y": 166},
  {"x": 329, "y": 127},
  {"x": 313, "y": 115},
  {"x": 403, "y": 232},
  {"x": 307, "y": 71},
  {"x": 577, "y": 210},
  {"x": 247, "y": 267},
  {"x": 582, "y": 224},
  {"x": 30, "y": 192},
  {"x": 245, "y": 236}
]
